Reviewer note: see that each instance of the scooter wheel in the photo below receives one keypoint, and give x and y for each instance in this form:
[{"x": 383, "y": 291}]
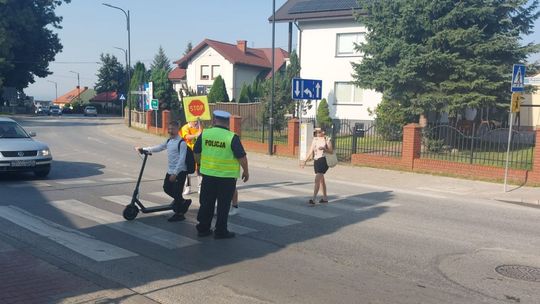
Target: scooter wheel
[{"x": 130, "y": 212}]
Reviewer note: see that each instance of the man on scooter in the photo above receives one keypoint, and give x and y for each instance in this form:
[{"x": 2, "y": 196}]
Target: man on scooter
[{"x": 173, "y": 183}]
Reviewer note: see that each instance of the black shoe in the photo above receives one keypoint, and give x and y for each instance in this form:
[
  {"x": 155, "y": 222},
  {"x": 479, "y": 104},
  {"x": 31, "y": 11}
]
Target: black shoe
[
  {"x": 204, "y": 233},
  {"x": 177, "y": 217},
  {"x": 226, "y": 235}
]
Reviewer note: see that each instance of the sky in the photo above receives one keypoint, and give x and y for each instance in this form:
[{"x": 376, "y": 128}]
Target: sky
[{"x": 90, "y": 29}]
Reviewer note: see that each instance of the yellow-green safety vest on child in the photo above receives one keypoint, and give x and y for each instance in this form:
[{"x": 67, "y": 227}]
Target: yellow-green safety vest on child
[{"x": 217, "y": 157}]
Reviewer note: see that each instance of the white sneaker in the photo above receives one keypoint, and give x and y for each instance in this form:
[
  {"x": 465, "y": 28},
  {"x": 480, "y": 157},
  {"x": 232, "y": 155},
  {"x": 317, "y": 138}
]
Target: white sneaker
[
  {"x": 233, "y": 211},
  {"x": 199, "y": 189},
  {"x": 187, "y": 190}
]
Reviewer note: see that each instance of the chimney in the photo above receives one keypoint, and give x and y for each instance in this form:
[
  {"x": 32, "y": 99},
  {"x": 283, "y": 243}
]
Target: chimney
[{"x": 242, "y": 45}]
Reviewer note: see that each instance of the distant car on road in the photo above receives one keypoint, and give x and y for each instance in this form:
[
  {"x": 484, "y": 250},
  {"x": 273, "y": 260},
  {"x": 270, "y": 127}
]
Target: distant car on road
[
  {"x": 90, "y": 110},
  {"x": 66, "y": 110},
  {"x": 55, "y": 110},
  {"x": 41, "y": 111},
  {"x": 20, "y": 153}
]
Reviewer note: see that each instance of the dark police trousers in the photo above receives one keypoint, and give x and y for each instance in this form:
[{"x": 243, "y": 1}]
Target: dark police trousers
[
  {"x": 212, "y": 189},
  {"x": 175, "y": 189}
]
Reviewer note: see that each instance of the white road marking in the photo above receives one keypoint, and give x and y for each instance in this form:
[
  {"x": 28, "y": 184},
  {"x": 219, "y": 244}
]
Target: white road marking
[
  {"x": 118, "y": 179},
  {"x": 77, "y": 182},
  {"x": 266, "y": 218},
  {"x": 30, "y": 184},
  {"x": 116, "y": 221},
  {"x": 75, "y": 240},
  {"x": 124, "y": 200},
  {"x": 287, "y": 206}
]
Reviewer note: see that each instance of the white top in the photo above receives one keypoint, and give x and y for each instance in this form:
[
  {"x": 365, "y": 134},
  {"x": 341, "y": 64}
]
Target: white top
[
  {"x": 316, "y": 144},
  {"x": 176, "y": 159}
]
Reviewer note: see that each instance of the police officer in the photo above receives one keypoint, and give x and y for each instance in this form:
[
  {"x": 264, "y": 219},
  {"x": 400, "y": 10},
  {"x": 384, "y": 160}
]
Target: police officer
[{"x": 221, "y": 155}]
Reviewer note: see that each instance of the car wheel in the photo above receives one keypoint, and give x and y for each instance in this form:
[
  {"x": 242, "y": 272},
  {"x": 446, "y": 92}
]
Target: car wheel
[{"x": 42, "y": 173}]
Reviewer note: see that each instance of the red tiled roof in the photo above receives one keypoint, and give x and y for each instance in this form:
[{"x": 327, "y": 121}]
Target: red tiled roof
[
  {"x": 252, "y": 56},
  {"x": 105, "y": 97},
  {"x": 177, "y": 73},
  {"x": 69, "y": 96}
]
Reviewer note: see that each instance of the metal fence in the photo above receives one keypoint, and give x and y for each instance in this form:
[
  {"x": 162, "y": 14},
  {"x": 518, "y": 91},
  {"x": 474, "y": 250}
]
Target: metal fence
[
  {"x": 478, "y": 144},
  {"x": 362, "y": 136}
]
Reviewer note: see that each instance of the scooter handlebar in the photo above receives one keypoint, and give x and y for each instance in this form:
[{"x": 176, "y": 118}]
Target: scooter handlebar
[{"x": 144, "y": 152}]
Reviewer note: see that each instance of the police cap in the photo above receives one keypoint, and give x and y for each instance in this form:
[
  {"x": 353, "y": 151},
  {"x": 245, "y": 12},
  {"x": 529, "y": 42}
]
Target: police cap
[{"x": 222, "y": 114}]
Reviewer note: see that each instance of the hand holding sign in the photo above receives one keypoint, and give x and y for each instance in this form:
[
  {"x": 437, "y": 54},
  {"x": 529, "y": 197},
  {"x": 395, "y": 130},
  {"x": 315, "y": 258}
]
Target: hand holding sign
[{"x": 196, "y": 108}]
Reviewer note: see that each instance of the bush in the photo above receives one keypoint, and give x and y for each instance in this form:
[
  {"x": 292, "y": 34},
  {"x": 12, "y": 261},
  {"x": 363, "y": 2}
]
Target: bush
[
  {"x": 323, "y": 115},
  {"x": 390, "y": 119},
  {"x": 218, "y": 92}
]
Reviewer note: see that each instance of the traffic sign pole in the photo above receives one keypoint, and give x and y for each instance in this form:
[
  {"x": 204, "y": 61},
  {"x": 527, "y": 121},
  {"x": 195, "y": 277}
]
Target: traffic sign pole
[{"x": 517, "y": 85}]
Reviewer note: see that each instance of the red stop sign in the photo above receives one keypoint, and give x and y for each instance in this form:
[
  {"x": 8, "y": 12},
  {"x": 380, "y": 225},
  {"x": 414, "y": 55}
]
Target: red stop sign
[{"x": 196, "y": 107}]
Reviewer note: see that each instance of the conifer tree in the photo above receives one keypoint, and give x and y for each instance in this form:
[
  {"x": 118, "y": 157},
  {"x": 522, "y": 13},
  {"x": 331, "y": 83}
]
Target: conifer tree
[
  {"x": 218, "y": 92},
  {"x": 443, "y": 55}
]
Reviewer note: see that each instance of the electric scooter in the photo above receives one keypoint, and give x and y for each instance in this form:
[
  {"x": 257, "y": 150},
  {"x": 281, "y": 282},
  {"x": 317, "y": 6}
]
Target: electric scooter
[{"x": 131, "y": 210}]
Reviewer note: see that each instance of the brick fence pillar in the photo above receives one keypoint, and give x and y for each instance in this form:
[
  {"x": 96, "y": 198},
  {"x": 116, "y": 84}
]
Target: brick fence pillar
[
  {"x": 293, "y": 135},
  {"x": 165, "y": 119},
  {"x": 535, "y": 174},
  {"x": 412, "y": 145},
  {"x": 235, "y": 125},
  {"x": 149, "y": 119}
]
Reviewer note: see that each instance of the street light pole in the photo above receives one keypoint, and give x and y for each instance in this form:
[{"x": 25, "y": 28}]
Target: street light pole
[
  {"x": 78, "y": 86},
  {"x": 271, "y": 120},
  {"x": 55, "y": 88},
  {"x": 127, "y": 70},
  {"x": 129, "y": 56}
]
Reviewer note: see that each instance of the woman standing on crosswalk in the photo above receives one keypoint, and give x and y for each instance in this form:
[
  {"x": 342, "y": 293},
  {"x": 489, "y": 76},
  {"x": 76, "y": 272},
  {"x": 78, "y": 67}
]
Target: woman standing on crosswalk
[{"x": 319, "y": 147}]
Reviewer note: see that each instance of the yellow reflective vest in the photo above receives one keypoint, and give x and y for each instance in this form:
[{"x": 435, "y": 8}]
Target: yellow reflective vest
[{"x": 217, "y": 157}]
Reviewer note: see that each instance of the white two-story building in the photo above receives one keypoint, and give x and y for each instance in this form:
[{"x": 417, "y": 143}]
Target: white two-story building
[
  {"x": 327, "y": 32},
  {"x": 237, "y": 65}
]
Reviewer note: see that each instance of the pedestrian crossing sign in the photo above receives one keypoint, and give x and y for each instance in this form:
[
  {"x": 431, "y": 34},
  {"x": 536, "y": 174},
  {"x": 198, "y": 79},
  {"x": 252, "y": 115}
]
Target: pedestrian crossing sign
[{"x": 518, "y": 78}]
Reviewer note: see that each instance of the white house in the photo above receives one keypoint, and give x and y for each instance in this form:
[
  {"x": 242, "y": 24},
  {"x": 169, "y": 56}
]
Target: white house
[
  {"x": 237, "y": 65},
  {"x": 327, "y": 32}
]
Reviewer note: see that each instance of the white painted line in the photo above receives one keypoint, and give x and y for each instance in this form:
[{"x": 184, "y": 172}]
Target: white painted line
[
  {"x": 118, "y": 179},
  {"x": 290, "y": 206},
  {"x": 265, "y": 218},
  {"x": 161, "y": 195},
  {"x": 116, "y": 221},
  {"x": 124, "y": 200},
  {"x": 31, "y": 184},
  {"x": 75, "y": 240},
  {"x": 233, "y": 227},
  {"x": 76, "y": 182}
]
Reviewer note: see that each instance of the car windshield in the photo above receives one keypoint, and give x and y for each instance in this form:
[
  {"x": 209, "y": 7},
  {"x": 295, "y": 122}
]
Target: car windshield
[
  {"x": 10, "y": 129},
  {"x": 90, "y": 108},
  {"x": 55, "y": 107}
]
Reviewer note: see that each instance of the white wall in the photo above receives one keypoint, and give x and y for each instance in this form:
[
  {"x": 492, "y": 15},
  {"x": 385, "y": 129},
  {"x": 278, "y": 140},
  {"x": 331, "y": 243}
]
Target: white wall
[
  {"x": 243, "y": 74},
  {"x": 209, "y": 56},
  {"x": 318, "y": 61}
]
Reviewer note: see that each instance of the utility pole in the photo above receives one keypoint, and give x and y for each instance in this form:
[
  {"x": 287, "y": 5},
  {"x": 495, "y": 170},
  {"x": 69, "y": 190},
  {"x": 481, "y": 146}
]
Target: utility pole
[
  {"x": 55, "y": 88},
  {"x": 127, "y": 70},
  {"x": 271, "y": 120},
  {"x": 129, "y": 56},
  {"x": 78, "y": 86}
]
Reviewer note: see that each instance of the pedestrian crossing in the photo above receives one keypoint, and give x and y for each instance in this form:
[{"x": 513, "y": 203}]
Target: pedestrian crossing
[{"x": 263, "y": 208}]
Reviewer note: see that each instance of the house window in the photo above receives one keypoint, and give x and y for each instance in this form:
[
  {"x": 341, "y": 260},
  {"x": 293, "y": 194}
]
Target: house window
[
  {"x": 216, "y": 71},
  {"x": 345, "y": 43},
  {"x": 348, "y": 93},
  {"x": 205, "y": 72}
]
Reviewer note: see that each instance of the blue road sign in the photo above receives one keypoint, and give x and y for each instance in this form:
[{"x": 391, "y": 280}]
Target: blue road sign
[
  {"x": 306, "y": 89},
  {"x": 122, "y": 97},
  {"x": 518, "y": 78}
]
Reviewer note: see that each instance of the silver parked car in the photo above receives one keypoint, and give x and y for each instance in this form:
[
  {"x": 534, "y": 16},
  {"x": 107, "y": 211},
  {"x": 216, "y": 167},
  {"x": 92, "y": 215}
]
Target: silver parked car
[
  {"x": 90, "y": 110},
  {"x": 20, "y": 153},
  {"x": 55, "y": 110}
]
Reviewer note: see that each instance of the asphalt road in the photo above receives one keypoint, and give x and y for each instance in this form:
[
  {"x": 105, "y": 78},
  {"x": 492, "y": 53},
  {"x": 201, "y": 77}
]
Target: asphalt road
[{"x": 366, "y": 246}]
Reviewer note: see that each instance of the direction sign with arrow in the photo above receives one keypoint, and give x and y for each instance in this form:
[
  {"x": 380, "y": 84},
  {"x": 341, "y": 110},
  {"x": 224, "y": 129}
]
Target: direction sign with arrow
[{"x": 306, "y": 89}]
